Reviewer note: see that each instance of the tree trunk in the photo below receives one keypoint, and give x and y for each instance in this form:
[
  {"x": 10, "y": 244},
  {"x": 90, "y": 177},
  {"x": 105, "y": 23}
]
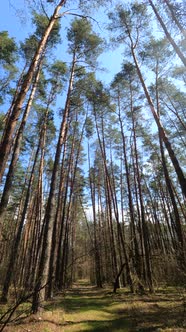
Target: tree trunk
[
  {"x": 16, "y": 150},
  {"x": 178, "y": 170},
  {"x": 137, "y": 257},
  {"x": 43, "y": 269},
  {"x": 16, "y": 108},
  {"x": 14, "y": 251},
  {"x": 109, "y": 199},
  {"x": 171, "y": 40},
  {"x": 178, "y": 226},
  {"x": 174, "y": 17}
]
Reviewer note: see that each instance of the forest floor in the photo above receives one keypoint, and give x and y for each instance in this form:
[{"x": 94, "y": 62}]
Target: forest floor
[{"x": 86, "y": 308}]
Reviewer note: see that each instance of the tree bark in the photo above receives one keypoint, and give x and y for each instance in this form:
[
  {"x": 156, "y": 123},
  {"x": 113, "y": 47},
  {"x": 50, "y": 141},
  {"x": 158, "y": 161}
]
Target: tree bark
[
  {"x": 16, "y": 150},
  {"x": 178, "y": 226},
  {"x": 174, "y": 17},
  {"x": 14, "y": 251},
  {"x": 174, "y": 160},
  {"x": 49, "y": 213},
  {"x": 171, "y": 40},
  {"x": 16, "y": 108},
  {"x": 137, "y": 257}
]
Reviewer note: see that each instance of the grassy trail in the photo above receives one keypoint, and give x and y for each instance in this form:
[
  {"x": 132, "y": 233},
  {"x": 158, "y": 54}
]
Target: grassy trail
[{"x": 86, "y": 308}]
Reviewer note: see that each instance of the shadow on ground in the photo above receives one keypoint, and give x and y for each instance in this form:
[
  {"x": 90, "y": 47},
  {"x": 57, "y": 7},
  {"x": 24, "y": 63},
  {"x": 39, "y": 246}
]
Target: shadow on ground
[
  {"x": 86, "y": 308},
  {"x": 132, "y": 313}
]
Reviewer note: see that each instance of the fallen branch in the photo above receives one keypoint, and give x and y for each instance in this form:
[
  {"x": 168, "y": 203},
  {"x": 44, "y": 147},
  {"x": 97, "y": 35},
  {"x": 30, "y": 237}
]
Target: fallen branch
[{"x": 12, "y": 309}]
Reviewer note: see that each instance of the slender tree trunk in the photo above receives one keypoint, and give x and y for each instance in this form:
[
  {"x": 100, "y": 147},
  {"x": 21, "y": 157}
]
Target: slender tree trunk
[
  {"x": 43, "y": 269},
  {"x": 178, "y": 225},
  {"x": 16, "y": 108},
  {"x": 169, "y": 222},
  {"x": 108, "y": 192},
  {"x": 130, "y": 200},
  {"x": 123, "y": 244},
  {"x": 25, "y": 249},
  {"x": 36, "y": 228},
  {"x": 175, "y": 111},
  {"x": 178, "y": 170},
  {"x": 142, "y": 210},
  {"x": 14, "y": 251},
  {"x": 60, "y": 215},
  {"x": 171, "y": 40},
  {"x": 174, "y": 17},
  {"x": 16, "y": 150},
  {"x": 96, "y": 245},
  {"x": 116, "y": 282},
  {"x": 72, "y": 168},
  {"x": 7, "y": 116},
  {"x": 57, "y": 235},
  {"x": 69, "y": 209}
]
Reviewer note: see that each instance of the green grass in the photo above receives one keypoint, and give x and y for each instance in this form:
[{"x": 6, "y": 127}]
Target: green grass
[{"x": 86, "y": 308}]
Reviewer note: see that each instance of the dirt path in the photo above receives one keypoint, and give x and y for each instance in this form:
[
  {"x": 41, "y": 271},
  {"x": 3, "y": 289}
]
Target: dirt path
[{"x": 86, "y": 308}]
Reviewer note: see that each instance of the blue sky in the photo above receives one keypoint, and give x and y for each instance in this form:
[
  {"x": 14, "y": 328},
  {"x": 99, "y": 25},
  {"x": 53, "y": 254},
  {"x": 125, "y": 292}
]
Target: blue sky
[{"x": 15, "y": 19}]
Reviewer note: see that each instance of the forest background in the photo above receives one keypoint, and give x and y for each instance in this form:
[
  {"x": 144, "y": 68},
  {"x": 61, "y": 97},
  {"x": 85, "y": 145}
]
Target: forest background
[{"x": 92, "y": 119}]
